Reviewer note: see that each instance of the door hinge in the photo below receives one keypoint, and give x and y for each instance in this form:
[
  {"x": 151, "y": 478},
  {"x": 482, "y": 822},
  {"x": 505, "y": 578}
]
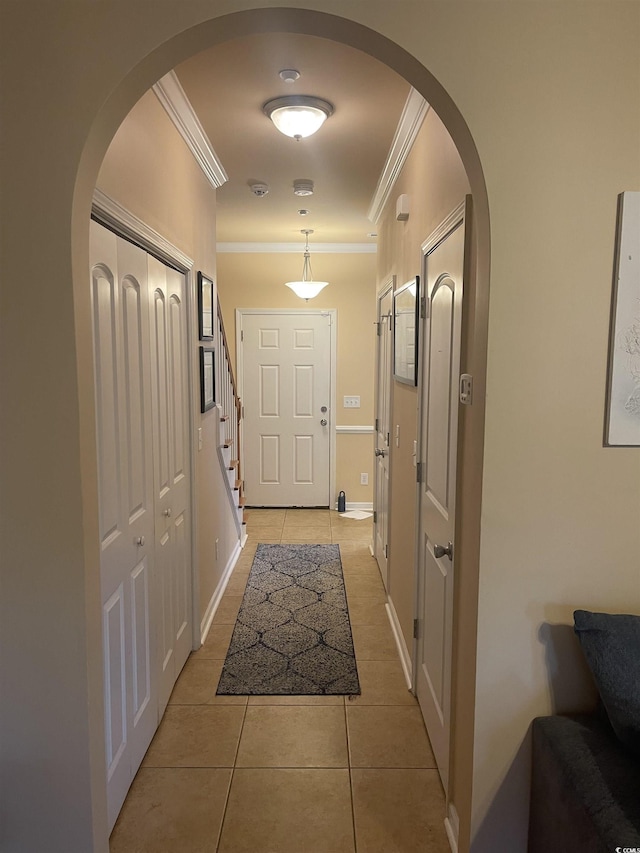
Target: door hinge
[
  {"x": 375, "y": 516},
  {"x": 415, "y": 629},
  {"x": 241, "y": 334},
  {"x": 378, "y": 326},
  {"x": 424, "y": 307},
  {"x": 419, "y": 472},
  {"x": 377, "y": 423},
  {"x": 386, "y": 551}
]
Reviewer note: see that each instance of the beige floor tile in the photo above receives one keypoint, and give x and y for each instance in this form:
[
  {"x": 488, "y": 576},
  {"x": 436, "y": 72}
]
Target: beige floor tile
[
  {"x": 307, "y": 536},
  {"x": 382, "y": 683},
  {"x": 172, "y": 809},
  {"x": 307, "y": 524},
  {"x": 399, "y": 811},
  {"x": 296, "y": 700},
  {"x": 237, "y": 583},
  {"x": 196, "y": 736},
  {"x": 270, "y": 516},
  {"x": 308, "y": 516},
  {"x": 198, "y": 683},
  {"x": 359, "y": 562},
  {"x": 349, "y": 533},
  {"x": 367, "y": 611},
  {"x": 351, "y": 546},
  {"x": 267, "y": 538},
  {"x": 301, "y": 736},
  {"x": 227, "y": 611},
  {"x": 288, "y": 811},
  {"x": 374, "y": 642},
  {"x": 357, "y": 586},
  {"x": 216, "y": 643},
  {"x": 388, "y": 736}
]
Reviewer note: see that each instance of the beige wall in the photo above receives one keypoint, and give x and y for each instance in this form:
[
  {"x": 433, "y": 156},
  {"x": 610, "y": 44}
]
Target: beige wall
[
  {"x": 434, "y": 179},
  {"x": 547, "y": 100},
  {"x": 150, "y": 171},
  {"x": 257, "y": 281}
]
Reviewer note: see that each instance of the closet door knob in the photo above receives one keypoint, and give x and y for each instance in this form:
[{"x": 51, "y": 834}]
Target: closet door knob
[
  {"x": 167, "y": 512},
  {"x": 140, "y": 541}
]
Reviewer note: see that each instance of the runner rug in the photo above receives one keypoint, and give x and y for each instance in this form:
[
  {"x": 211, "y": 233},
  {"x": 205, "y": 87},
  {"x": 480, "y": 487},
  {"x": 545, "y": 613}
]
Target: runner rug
[{"x": 292, "y": 635}]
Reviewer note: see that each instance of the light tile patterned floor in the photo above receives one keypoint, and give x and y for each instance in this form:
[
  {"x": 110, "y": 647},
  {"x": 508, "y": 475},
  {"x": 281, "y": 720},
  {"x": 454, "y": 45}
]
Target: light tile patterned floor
[{"x": 291, "y": 774}]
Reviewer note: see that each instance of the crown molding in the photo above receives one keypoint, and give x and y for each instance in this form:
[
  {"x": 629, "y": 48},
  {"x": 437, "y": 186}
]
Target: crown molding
[
  {"x": 297, "y": 248},
  {"x": 413, "y": 114},
  {"x": 173, "y": 98},
  {"x": 116, "y": 217}
]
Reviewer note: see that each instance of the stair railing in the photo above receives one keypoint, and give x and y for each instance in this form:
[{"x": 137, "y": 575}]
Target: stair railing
[{"x": 231, "y": 405}]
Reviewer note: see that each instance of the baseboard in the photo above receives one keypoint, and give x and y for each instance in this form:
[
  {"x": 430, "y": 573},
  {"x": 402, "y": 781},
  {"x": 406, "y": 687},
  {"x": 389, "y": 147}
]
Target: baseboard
[
  {"x": 210, "y": 612},
  {"x": 405, "y": 657},
  {"x": 364, "y": 506},
  {"x": 452, "y": 827}
]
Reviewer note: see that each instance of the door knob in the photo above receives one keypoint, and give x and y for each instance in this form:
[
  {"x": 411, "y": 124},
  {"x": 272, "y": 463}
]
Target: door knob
[
  {"x": 140, "y": 540},
  {"x": 440, "y": 551},
  {"x": 379, "y": 452},
  {"x": 167, "y": 512},
  {"x": 323, "y": 422}
]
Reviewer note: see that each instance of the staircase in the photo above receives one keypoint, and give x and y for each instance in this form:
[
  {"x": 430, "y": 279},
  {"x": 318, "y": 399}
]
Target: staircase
[{"x": 229, "y": 428}]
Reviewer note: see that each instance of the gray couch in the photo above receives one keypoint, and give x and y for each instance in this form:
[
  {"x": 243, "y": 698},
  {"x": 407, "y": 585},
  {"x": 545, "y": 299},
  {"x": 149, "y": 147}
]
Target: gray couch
[{"x": 585, "y": 787}]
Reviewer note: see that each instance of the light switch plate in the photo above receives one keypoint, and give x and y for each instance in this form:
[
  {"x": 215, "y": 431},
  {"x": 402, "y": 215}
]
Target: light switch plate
[{"x": 351, "y": 402}]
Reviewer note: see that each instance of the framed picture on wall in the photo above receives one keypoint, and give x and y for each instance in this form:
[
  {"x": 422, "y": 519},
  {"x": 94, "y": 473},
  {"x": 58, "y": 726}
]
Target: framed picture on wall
[
  {"x": 622, "y": 416},
  {"x": 207, "y": 379},
  {"x": 406, "y": 300},
  {"x": 205, "y": 307}
]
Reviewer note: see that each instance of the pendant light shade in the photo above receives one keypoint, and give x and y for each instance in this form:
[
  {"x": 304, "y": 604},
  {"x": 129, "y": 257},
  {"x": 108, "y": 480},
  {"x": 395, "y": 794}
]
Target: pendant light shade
[
  {"x": 306, "y": 288},
  {"x": 298, "y": 116}
]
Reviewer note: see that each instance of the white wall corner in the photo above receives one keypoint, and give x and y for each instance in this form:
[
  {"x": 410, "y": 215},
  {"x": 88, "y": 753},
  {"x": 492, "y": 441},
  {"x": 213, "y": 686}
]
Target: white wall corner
[
  {"x": 403, "y": 651},
  {"x": 452, "y": 827},
  {"x": 173, "y": 98},
  {"x": 413, "y": 114},
  {"x": 212, "y": 606}
]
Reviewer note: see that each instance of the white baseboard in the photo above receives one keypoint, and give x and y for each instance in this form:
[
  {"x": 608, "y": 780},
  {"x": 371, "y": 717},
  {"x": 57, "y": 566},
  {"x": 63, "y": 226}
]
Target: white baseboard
[
  {"x": 452, "y": 827},
  {"x": 210, "y": 612},
  {"x": 405, "y": 657},
  {"x": 364, "y": 505}
]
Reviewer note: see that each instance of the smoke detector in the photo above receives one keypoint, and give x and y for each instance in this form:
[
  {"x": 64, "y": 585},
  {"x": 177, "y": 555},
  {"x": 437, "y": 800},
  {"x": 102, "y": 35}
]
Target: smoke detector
[
  {"x": 259, "y": 189},
  {"x": 289, "y": 75},
  {"x": 303, "y": 187}
]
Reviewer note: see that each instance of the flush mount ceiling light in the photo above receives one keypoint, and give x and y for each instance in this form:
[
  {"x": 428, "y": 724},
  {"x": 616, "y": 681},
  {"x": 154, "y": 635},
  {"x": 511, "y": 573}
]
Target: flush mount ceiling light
[
  {"x": 302, "y": 187},
  {"x": 307, "y": 288},
  {"x": 298, "y": 116}
]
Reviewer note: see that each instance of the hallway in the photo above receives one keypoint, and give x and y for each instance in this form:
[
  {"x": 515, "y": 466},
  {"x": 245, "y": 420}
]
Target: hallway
[{"x": 269, "y": 774}]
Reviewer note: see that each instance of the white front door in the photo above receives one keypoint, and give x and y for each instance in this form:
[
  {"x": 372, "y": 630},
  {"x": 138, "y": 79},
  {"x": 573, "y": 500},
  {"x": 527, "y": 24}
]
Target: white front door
[
  {"x": 167, "y": 296},
  {"x": 443, "y": 277},
  {"x": 126, "y": 512},
  {"x": 285, "y": 373},
  {"x": 383, "y": 429}
]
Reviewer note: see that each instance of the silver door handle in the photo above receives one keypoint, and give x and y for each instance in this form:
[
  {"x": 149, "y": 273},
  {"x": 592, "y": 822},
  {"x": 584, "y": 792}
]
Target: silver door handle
[
  {"x": 140, "y": 540},
  {"x": 323, "y": 422},
  {"x": 441, "y": 551},
  {"x": 167, "y": 512},
  {"x": 379, "y": 452}
]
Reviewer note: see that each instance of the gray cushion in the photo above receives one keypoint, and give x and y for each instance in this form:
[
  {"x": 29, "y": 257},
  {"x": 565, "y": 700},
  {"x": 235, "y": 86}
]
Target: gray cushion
[{"x": 611, "y": 645}]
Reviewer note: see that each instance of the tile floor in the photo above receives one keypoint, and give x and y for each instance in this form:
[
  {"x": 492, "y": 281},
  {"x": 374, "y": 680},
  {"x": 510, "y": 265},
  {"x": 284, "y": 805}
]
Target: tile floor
[{"x": 299, "y": 774}]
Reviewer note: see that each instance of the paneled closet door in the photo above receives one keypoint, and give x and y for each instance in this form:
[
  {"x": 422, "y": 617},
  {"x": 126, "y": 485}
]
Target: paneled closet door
[
  {"x": 123, "y": 403},
  {"x": 167, "y": 296}
]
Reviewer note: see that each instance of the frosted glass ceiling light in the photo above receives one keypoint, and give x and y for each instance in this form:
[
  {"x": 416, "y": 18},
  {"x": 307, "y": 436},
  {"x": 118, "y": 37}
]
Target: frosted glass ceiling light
[
  {"x": 298, "y": 116},
  {"x": 307, "y": 288}
]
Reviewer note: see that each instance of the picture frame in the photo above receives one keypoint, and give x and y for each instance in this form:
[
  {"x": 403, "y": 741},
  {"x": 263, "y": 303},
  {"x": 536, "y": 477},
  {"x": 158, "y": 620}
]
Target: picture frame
[
  {"x": 205, "y": 307},
  {"x": 622, "y": 410},
  {"x": 207, "y": 379},
  {"x": 406, "y": 302}
]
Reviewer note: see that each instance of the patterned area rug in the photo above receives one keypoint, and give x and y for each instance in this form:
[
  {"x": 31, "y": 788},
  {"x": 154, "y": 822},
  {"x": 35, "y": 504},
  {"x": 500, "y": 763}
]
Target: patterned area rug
[{"x": 293, "y": 635}]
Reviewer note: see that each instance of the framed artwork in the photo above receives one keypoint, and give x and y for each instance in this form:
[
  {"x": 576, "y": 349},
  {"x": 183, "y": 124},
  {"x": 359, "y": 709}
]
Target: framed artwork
[
  {"x": 207, "y": 379},
  {"x": 406, "y": 300},
  {"x": 205, "y": 307},
  {"x": 622, "y": 416}
]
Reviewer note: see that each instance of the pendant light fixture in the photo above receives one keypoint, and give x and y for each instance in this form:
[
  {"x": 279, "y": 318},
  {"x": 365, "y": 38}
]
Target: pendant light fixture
[
  {"x": 298, "y": 116},
  {"x": 307, "y": 288}
]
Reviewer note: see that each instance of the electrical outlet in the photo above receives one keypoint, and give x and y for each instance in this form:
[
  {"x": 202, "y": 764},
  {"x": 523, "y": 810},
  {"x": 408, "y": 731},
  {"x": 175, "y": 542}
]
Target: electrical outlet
[
  {"x": 364, "y": 479},
  {"x": 351, "y": 402}
]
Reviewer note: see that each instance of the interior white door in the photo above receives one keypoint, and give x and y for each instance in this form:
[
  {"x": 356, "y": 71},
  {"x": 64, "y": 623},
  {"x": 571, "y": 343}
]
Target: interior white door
[
  {"x": 383, "y": 430},
  {"x": 169, "y": 393},
  {"x": 443, "y": 276},
  {"x": 286, "y": 394},
  {"x": 126, "y": 512}
]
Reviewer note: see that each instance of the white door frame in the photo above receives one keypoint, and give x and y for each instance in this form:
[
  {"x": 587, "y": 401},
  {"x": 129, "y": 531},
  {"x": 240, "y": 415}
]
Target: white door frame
[
  {"x": 333, "y": 314},
  {"x": 119, "y": 219}
]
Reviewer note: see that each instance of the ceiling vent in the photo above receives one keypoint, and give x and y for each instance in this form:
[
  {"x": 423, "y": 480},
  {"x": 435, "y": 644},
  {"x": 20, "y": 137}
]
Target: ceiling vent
[{"x": 303, "y": 186}]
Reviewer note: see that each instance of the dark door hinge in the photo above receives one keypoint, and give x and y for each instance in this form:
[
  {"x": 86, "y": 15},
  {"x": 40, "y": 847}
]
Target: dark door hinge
[
  {"x": 386, "y": 551},
  {"x": 424, "y": 308},
  {"x": 375, "y": 517},
  {"x": 415, "y": 629},
  {"x": 419, "y": 472}
]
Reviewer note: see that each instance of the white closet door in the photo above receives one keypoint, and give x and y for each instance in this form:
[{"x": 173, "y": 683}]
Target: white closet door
[
  {"x": 167, "y": 296},
  {"x": 121, "y": 338}
]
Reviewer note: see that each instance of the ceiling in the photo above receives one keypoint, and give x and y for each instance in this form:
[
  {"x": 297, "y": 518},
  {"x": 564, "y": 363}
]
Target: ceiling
[{"x": 227, "y": 86}]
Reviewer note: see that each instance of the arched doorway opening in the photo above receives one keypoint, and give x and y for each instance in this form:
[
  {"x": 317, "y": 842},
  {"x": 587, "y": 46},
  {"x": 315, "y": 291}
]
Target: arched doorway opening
[{"x": 105, "y": 125}]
